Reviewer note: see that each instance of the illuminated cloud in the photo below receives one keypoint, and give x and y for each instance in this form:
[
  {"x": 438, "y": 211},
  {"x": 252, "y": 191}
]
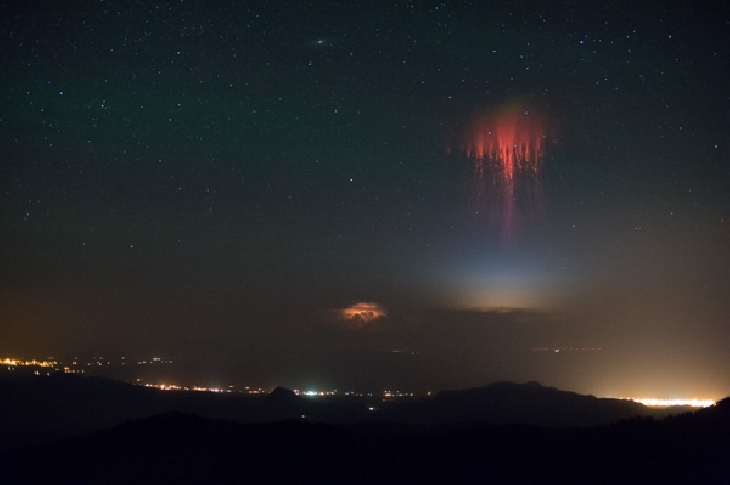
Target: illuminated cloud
[{"x": 361, "y": 314}]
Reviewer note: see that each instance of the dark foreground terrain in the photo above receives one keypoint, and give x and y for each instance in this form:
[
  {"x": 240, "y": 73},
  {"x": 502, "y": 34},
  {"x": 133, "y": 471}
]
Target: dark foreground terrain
[{"x": 180, "y": 447}]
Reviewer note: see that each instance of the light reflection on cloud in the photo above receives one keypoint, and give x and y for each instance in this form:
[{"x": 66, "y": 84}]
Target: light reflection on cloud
[
  {"x": 488, "y": 284},
  {"x": 362, "y": 313}
]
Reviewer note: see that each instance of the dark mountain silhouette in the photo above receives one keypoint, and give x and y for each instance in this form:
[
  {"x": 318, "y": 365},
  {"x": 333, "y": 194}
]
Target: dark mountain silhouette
[
  {"x": 38, "y": 409},
  {"x": 68, "y": 429},
  {"x": 510, "y": 403},
  {"x": 41, "y": 409},
  {"x": 282, "y": 394},
  {"x": 183, "y": 448}
]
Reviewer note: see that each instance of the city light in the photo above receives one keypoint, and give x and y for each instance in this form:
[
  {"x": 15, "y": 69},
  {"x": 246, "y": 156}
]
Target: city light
[
  {"x": 36, "y": 363},
  {"x": 76, "y": 366},
  {"x": 695, "y": 403}
]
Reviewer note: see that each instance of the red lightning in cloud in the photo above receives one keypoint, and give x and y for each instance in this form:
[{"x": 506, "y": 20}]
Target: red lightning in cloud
[{"x": 504, "y": 145}]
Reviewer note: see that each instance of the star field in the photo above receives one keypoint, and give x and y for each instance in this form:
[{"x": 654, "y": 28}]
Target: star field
[{"x": 211, "y": 180}]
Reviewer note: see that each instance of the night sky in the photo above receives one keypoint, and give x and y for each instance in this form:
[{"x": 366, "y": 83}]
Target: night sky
[{"x": 292, "y": 193}]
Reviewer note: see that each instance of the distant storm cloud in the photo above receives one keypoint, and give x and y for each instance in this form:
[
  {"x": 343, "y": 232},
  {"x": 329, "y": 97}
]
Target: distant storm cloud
[{"x": 361, "y": 314}]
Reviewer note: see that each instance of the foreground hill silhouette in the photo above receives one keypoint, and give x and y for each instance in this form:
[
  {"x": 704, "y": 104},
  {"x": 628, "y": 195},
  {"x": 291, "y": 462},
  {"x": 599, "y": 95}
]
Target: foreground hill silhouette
[
  {"x": 42, "y": 409},
  {"x": 510, "y": 403},
  {"x": 67, "y": 429},
  {"x": 183, "y": 448}
]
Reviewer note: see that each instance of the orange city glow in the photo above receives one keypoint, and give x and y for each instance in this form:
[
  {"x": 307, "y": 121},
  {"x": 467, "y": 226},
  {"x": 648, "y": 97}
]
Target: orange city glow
[{"x": 695, "y": 403}]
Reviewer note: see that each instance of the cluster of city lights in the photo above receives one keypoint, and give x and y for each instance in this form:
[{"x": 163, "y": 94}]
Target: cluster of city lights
[
  {"x": 314, "y": 393},
  {"x": 155, "y": 360},
  {"x": 695, "y": 403},
  {"x": 384, "y": 394},
  {"x": 397, "y": 394},
  {"x": 74, "y": 365},
  {"x": 37, "y": 363},
  {"x": 566, "y": 349},
  {"x": 229, "y": 389},
  {"x": 52, "y": 365}
]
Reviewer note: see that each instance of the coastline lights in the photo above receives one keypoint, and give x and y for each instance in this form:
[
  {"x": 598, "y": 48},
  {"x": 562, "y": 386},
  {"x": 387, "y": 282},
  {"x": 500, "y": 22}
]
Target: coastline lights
[{"x": 38, "y": 363}]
